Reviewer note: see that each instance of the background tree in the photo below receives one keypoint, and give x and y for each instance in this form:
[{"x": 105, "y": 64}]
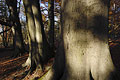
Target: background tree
[
  {"x": 51, "y": 22},
  {"x": 17, "y": 32}
]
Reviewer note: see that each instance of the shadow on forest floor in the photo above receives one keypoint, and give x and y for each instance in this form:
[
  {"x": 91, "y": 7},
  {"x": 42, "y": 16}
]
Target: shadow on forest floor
[{"x": 11, "y": 68}]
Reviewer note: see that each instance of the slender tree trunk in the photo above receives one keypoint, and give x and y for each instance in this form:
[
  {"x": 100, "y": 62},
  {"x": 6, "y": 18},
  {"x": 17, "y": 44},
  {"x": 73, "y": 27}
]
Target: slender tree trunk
[
  {"x": 85, "y": 42},
  {"x": 3, "y": 37},
  {"x": 28, "y": 61},
  {"x": 51, "y": 22},
  {"x": 14, "y": 41},
  {"x": 47, "y": 49}
]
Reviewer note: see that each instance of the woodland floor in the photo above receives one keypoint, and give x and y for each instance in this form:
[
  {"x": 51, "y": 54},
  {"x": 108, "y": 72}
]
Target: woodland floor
[{"x": 11, "y": 68}]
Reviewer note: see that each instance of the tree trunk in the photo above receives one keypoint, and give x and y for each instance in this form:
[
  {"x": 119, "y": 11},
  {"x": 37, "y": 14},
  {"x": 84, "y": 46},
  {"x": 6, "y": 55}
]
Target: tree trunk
[
  {"x": 38, "y": 34},
  {"x": 28, "y": 61},
  {"x": 85, "y": 42},
  {"x": 14, "y": 17},
  {"x": 51, "y": 22},
  {"x": 19, "y": 36},
  {"x": 3, "y": 37},
  {"x": 31, "y": 30},
  {"x": 47, "y": 49},
  {"x": 39, "y": 45}
]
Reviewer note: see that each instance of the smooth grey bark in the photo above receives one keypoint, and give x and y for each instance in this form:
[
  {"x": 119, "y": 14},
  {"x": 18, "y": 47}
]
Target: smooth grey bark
[
  {"x": 86, "y": 51},
  {"x": 32, "y": 32},
  {"x": 85, "y": 38}
]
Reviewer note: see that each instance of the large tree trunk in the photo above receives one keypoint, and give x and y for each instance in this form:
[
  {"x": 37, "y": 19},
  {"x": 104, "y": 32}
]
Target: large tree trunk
[
  {"x": 32, "y": 32},
  {"x": 85, "y": 42}
]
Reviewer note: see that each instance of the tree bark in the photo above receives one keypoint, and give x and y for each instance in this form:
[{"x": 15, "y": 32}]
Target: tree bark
[
  {"x": 31, "y": 30},
  {"x": 39, "y": 45},
  {"x": 86, "y": 51},
  {"x": 51, "y": 22},
  {"x": 4, "y": 37}
]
